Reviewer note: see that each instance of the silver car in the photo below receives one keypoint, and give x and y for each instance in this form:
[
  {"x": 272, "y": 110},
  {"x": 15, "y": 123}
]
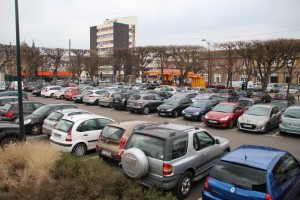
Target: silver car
[
  {"x": 60, "y": 93},
  {"x": 260, "y": 118},
  {"x": 55, "y": 117},
  {"x": 92, "y": 96},
  {"x": 290, "y": 121}
]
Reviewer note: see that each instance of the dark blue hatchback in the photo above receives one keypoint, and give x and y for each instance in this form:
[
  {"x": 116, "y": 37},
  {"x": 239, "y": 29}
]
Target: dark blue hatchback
[
  {"x": 254, "y": 172},
  {"x": 198, "y": 109}
]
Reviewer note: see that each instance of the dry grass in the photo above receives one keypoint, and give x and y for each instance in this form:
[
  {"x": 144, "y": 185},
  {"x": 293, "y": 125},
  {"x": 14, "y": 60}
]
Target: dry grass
[{"x": 26, "y": 166}]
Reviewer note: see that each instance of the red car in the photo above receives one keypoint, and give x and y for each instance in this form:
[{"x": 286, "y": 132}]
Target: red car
[
  {"x": 224, "y": 114},
  {"x": 72, "y": 91}
]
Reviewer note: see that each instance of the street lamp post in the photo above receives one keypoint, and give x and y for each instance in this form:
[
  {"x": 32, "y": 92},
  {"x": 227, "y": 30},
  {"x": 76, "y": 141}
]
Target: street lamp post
[{"x": 209, "y": 64}]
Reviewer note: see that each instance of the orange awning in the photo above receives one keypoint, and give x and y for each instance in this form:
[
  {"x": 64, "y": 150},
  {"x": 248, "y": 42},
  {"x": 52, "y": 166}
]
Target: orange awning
[{"x": 48, "y": 73}]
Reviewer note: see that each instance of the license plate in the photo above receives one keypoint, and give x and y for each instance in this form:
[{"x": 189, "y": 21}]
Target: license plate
[
  {"x": 293, "y": 125},
  {"x": 57, "y": 135},
  {"x": 78, "y": 97},
  {"x": 188, "y": 115},
  {"x": 213, "y": 122},
  {"x": 162, "y": 113},
  {"x": 106, "y": 153},
  {"x": 247, "y": 126},
  {"x": 131, "y": 104}
]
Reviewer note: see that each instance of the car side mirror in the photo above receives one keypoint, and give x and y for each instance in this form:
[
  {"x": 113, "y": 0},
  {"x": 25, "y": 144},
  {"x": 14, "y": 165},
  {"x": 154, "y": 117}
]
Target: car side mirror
[{"x": 217, "y": 141}]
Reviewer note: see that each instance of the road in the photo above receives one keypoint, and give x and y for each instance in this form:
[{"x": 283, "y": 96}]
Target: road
[{"x": 273, "y": 138}]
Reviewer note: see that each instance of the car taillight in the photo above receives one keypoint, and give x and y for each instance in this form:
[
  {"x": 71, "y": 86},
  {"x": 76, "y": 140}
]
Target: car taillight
[
  {"x": 123, "y": 142},
  {"x": 9, "y": 114},
  {"x": 120, "y": 155},
  {"x": 206, "y": 187},
  {"x": 99, "y": 137},
  {"x": 268, "y": 197},
  {"x": 167, "y": 169},
  {"x": 140, "y": 103},
  {"x": 46, "y": 90},
  {"x": 280, "y": 121},
  {"x": 69, "y": 136}
]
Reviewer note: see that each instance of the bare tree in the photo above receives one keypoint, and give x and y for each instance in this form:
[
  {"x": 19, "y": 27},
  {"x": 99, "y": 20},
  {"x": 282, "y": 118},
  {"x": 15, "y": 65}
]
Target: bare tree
[
  {"x": 161, "y": 53},
  {"x": 77, "y": 61},
  {"x": 7, "y": 55},
  {"x": 56, "y": 56},
  {"x": 144, "y": 57},
  {"x": 92, "y": 63}
]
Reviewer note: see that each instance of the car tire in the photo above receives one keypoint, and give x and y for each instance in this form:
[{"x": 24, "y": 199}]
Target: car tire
[
  {"x": 110, "y": 105},
  {"x": 201, "y": 118},
  {"x": 79, "y": 150},
  {"x": 8, "y": 142},
  {"x": 96, "y": 103},
  {"x": 51, "y": 95},
  {"x": 182, "y": 190},
  {"x": 36, "y": 129},
  {"x": 267, "y": 128},
  {"x": 146, "y": 110},
  {"x": 135, "y": 163},
  {"x": 175, "y": 113},
  {"x": 281, "y": 132},
  {"x": 231, "y": 124},
  {"x": 62, "y": 97}
]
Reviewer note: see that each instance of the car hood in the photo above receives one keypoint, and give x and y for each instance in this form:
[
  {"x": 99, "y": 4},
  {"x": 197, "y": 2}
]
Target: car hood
[
  {"x": 193, "y": 109},
  {"x": 217, "y": 115},
  {"x": 252, "y": 119},
  {"x": 166, "y": 106}
]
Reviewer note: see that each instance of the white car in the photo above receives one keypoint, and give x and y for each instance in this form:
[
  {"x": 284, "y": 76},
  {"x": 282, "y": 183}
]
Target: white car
[
  {"x": 291, "y": 90},
  {"x": 49, "y": 91},
  {"x": 60, "y": 93},
  {"x": 79, "y": 133},
  {"x": 51, "y": 121},
  {"x": 14, "y": 85},
  {"x": 92, "y": 96}
]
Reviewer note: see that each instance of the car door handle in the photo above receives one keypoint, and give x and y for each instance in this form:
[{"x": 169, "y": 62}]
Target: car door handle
[{"x": 85, "y": 134}]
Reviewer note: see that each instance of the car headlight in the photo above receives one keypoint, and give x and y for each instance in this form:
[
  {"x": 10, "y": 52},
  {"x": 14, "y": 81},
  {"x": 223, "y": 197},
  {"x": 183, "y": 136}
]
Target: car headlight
[
  {"x": 225, "y": 118},
  {"x": 169, "y": 110},
  {"x": 206, "y": 117},
  {"x": 183, "y": 112},
  {"x": 27, "y": 121},
  {"x": 196, "y": 113}
]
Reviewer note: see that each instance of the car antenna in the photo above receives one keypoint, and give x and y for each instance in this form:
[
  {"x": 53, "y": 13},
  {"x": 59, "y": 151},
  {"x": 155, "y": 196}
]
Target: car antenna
[
  {"x": 118, "y": 121},
  {"x": 245, "y": 152}
]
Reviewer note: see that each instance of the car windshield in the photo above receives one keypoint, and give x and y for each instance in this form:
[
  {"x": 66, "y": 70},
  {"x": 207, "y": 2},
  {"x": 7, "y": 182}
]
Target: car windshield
[
  {"x": 258, "y": 111},
  {"x": 135, "y": 97},
  {"x": 292, "y": 113},
  {"x": 41, "y": 110},
  {"x": 64, "y": 125},
  {"x": 245, "y": 102},
  {"x": 6, "y": 107},
  {"x": 226, "y": 108},
  {"x": 55, "y": 116},
  {"x": 172, "y": 101},
  {"x": 199, "y": 104},
  {"x": 117, "y": 95},
  {"x": 240, "y": 175},
  {"x": 112, "y": 132}
]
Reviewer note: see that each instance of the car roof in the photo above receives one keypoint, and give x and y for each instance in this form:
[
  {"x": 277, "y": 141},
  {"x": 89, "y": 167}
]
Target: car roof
[
  {"x": 128, "y": 124},
  {"x": 9, "y": 97},
  {"x": 254, "y": 155},
  {"x": 230, "y": 103},
  {"x": 70, "y": 110},
  {"x": 76, "y": 118}
]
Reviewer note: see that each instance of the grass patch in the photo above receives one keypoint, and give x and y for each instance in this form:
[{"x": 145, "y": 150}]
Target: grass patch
[{"x": 39, "y": 172}]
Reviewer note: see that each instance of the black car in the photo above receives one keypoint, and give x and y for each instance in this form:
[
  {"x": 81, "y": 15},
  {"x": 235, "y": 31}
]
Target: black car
[
  {"x": 144, "y": 103},
  {"x": 33, "y": 123},
  {"x": 120, "y": 100},
  {"x": 38, "y": 88},
  {"x": 79, "y": 97},
  {"x": 163, "y": 94},
  {"x": 174, "y": 106},
  {"x": 9, "y": 134}
]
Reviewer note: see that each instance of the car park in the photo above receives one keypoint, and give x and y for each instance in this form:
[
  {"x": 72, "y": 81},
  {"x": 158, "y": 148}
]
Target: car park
[
  {"x": 52, "y": 119},
  {"x": 224, "y": 115},
  {"x": 92, "y": 96},
  {"x": 282, "y": 104},
  {"x": 144, "y": 103},
  {"x": 264, "y": 96},
  {"x": 260, "y": 118},
  {"x": 9, "y": 134},
  {"x": 38, "y": 88},
  {"x": 285, "y": 96},
  {"x": 14, "y": 93},
  {"x": 78, "y": 134},
  {"x": 248, "y": 102},
  {"x": 72, "y": 91},
  {"x": 49, "y": 91},
  {"x": 10, "y": 111},
  {"x": 254, "y": 172},
  {"x": 33, "y": 123},
  {"x": 290, "y": 121},
  {"x": 174, "y": 106},
  {"x": 197, "y": 110},
  {"x": 171, "y": 156},
  {"x": 120, "y": 100},
  {"x": 114, "y": 136}
]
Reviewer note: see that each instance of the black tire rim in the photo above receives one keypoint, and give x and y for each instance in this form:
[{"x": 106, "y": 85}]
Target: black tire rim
[
  {"x": 175, "y": 114},
  {"x": 36, "y": 129},
  {"x": 79, "y": 150},
  {"x": 146, "y": 110}
]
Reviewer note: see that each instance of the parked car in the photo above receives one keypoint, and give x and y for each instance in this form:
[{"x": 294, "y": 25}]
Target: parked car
[
  {"x": 10, "y": 111},
  {"x": 38, "y": 89},
  {"x": 205, "y": 96},
  {"x": 274, "y": 87},
  {"x": 2, "y": 85},
  {"x": 244, "y": 93},
  {"x": 282, "y": 104},
  {"x": 290, "y": 121},
  {"x": 185, "y": 94},
  {"x": 30, "y": 86},
  {"x": 163, "y": 94},
  {"x": 144, "y": 103},
  {"x": 14, "y": 85},
  {"x": 14, "y": 93},
  {"x": 52, "y": 119},
  {"x": 254, "y": 172},
  {"x": 198, "y": 89},
  {"x": 79, "y": 97},
  {"x": 197, "y": 110},
  {"x": 33, "y": 123},
  {"x": 72, "y": 91},
  {"x": 92, "y": 96},
  {"x": 114, "y": 136},
  {"x": 260, "y": 118},
  {"x": 171, "y": 156},
  {"x": 120, "y": 100},
  {"x": 9, "y": 99},
  {"x": 226, "y": 92},
  {"x": 78, "y": 134},
  {"x": 211, "y": 90},
  {"x": 174, "y": 106},
  {"x": 60, "y": 94},
  {"x": 9, "y": 134},
  {"x": 248, "y": 102},
  {"x": 49, "y": 91},
  {"x": 228, "y": 98},
  {"x": 224, "y": 114},
  {"x": 264, "y": 96},
  {"x": 285, "y": 96},
  {"x": 106, "y": 99},
  {"x": 292, "y": 90}
]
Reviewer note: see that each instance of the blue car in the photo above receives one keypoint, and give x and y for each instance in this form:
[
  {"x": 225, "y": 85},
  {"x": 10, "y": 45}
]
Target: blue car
[
  {"x": 254, "y": 172},
  {"x": 198, "y": 109}
]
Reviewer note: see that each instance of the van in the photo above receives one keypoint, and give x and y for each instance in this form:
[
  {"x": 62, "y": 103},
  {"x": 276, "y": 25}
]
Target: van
[
  {"x": 14, "y": 85},
  {"x": 2, "y": 86}
]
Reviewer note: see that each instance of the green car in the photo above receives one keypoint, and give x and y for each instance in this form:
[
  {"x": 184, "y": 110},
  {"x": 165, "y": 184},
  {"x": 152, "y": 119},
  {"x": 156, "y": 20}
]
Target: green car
[{"x": 290, "y": 120}]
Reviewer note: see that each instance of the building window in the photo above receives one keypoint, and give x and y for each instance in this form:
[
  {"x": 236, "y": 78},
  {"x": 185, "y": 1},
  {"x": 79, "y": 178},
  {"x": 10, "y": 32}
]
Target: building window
[
  {"x": 258, "y": 79},
  {"x": 274, "y": 78},
  {"x": 287, "y": 78},
  {"x": 217, "y": 78},
  {"x": 244, "y": 78}
]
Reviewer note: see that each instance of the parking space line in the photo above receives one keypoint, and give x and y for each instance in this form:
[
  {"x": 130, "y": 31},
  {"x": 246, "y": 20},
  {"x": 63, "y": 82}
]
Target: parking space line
[{"x": 276, "y": 133}]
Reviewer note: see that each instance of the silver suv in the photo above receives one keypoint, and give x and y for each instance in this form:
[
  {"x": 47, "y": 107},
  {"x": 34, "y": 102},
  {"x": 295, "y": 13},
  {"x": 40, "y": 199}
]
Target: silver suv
[{"x": 171, "y": 156}]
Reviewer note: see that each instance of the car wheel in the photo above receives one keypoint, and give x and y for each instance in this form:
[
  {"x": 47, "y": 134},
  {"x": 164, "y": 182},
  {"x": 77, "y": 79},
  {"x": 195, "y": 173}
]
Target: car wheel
[
  {"x": 146, "y": 110},
  {"x": 8, "y": 142},
  {"x": 267, "y": 128},
  {"x": 231, "y": 124},
  {"x": 62, "y": 97},
  {"x": 51, "y": 95},
  {"x": 36, "y": 129},
  {"x": 96, "y": 103},
  {"x": 183, "y": 188},
  {"x": 110, "y": 105},
  {"x": 79, "y": 150},
  {"x": 201, "y": 118},
  {"x": 281, "y": 132},
  {"x": 135, "y": 163},
  {"x": 175, "y": 114}
]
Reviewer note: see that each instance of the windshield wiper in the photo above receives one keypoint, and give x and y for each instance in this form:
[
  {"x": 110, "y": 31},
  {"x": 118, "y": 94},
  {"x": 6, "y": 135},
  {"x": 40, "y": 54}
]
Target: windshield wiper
[{"x": 290, "y": 116}]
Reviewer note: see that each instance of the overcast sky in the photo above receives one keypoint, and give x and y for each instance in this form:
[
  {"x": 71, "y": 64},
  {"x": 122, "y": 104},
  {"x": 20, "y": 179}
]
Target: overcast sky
[{"x": 51, "y": 23}]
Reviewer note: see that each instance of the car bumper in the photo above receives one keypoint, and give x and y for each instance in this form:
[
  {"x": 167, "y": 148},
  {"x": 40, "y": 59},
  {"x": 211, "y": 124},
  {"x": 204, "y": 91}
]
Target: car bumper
[
  {"x": 92, "y": 101},
  {"x": 251, "y": 127},
  {"x": 47, "y": 130},
  {"x": 104, "y": 103},
  {"x": 165, "y": 113},
  {"x": 165, "y": 183},
  {"x": 135, "y": 109},
  {"x": 65, "y": 147},
  {"x": 190, "y": 116},
  {"x": 216, "y": 123},
  {"x": 110, "y": 153},
  {"x": 288, "y": 129}
]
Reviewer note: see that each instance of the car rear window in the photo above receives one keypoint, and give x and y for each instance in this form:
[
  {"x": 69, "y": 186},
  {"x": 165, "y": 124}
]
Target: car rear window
[
  {"x": 292, "y": 113},
  {"x": 55, "y": 116},
  {"x": 135, "y": 97},
  {"x": 112, "y": 132},
  {"x": 64, "y": 125},
  {"x": 152, "y": 146},
  {"x": 7, "y": 107},
  {"x": 240, "y": 175}
]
